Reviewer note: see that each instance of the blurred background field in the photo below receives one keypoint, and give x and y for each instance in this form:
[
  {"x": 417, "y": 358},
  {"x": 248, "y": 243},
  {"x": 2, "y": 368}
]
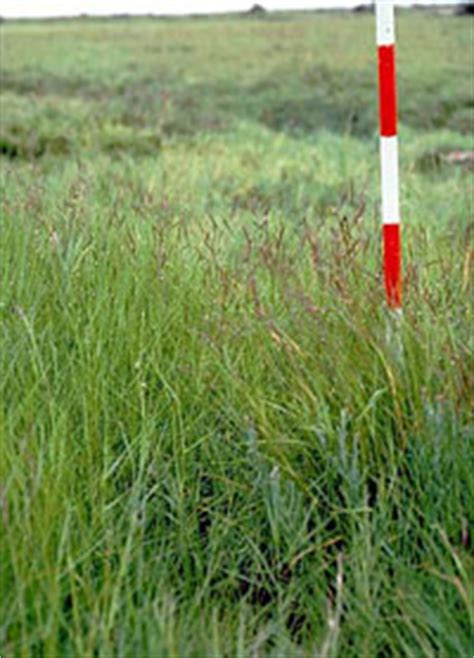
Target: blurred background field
[
  {"x": 211, "y": 445},
  {"x": 124, "y": 85}
]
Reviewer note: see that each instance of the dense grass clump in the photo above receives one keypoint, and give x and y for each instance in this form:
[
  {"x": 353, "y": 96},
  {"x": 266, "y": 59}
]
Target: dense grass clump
[{"x": 217, "y": 442}]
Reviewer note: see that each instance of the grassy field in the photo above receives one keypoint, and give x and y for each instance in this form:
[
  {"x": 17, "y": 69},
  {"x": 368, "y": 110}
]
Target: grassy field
[{"x": 216, "y": 442}]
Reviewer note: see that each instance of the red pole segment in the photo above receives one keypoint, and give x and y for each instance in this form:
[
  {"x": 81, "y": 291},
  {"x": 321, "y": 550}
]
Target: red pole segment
[{"x": 389, "y": 152}]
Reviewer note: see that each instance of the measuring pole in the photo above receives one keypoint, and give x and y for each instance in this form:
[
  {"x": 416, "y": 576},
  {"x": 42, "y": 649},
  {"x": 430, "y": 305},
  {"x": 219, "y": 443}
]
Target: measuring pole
[{"x": 389, "y": 152}]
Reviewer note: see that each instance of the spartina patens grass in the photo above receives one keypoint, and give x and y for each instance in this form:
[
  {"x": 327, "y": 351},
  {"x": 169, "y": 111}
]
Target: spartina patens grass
[{"x": 210, "y": 446}]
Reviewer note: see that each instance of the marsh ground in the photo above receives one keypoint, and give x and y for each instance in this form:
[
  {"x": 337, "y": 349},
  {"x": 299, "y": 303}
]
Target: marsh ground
[{"x": 212, "y": 445}]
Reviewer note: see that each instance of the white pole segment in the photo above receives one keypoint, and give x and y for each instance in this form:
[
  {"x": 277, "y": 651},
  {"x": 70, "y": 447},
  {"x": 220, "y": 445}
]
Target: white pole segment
[
  {"x": 390, "y": 185},
  {"x": 385, "y": 23}
]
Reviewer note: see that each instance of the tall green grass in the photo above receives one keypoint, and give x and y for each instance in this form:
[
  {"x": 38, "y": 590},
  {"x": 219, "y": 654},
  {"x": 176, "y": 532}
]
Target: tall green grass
[{"x": 217, "y": 442}]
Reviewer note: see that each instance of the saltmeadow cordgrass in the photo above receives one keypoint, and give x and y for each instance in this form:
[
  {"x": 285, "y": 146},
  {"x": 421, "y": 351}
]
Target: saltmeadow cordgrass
[{"x": 217, "y": 441}]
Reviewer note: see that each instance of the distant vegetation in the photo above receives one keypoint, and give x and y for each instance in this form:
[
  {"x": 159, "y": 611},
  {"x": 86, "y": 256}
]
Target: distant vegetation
[{"x": 217, "y": 442}]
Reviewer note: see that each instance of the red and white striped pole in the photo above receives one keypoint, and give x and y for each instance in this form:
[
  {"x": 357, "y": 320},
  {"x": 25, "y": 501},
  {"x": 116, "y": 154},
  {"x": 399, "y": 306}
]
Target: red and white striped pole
[{"x": 389, "y": 152}]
